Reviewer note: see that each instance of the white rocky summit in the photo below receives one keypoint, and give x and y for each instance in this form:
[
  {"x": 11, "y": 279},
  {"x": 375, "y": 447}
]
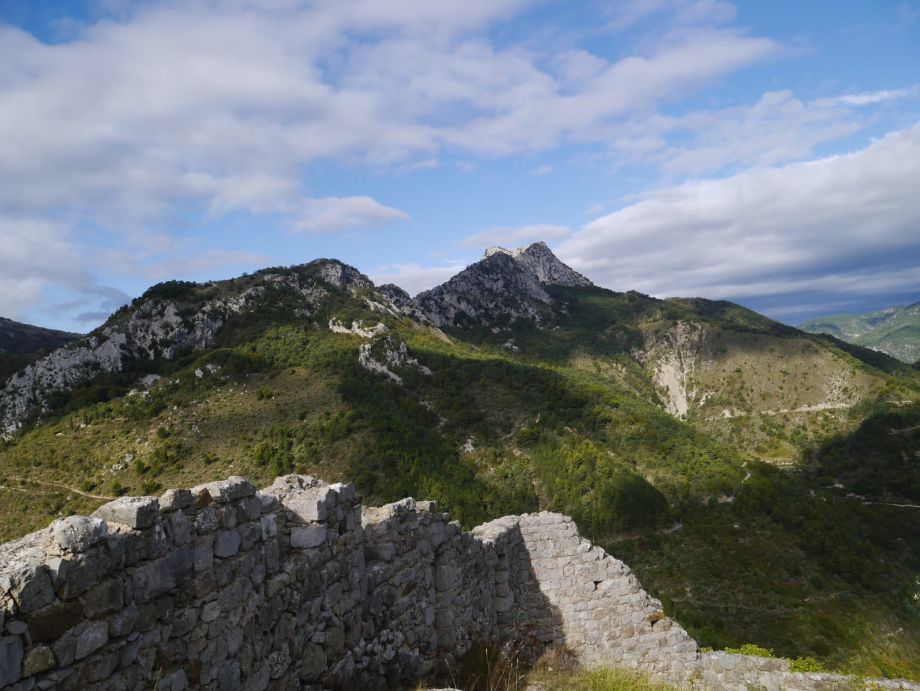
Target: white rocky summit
[
  {"x": 503, "y": 287},
  {"x": 540, "y": 260}
]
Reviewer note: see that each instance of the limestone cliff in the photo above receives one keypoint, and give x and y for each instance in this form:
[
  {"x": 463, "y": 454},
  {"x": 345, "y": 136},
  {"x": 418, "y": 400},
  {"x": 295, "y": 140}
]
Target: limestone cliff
[{"x": 170, "y": 319}]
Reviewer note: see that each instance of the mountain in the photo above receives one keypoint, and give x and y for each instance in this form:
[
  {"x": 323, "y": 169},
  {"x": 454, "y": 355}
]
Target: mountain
[
  {"x": 760, "y": 480},
  {"x": 893, "y": 330},
  {"x": 23, "y": 339},
  {"x": 504, "y": 287},
  {"x": 20, "y": 344}
]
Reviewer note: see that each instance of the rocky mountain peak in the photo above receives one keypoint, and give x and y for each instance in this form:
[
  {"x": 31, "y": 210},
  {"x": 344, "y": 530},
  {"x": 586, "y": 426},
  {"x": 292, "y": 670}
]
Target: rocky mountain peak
[
  {"x": 502, "y": 287},
  {"x": 539, "y": 259}
]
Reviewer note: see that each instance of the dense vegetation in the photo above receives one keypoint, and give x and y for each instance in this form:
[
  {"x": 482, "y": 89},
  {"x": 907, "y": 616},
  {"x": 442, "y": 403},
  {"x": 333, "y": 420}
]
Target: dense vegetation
[{"x": 814, "y": 559}]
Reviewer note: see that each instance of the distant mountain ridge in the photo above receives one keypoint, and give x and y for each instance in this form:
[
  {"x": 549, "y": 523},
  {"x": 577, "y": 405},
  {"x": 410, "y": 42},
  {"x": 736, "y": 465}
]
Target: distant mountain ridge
[
  {"x": 19, "y": 338},
  {"x": 893, "y": 330}
]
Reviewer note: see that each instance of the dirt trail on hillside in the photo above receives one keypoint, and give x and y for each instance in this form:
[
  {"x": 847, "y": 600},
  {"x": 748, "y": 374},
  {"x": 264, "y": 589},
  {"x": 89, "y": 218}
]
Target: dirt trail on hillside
[{"x": 56, "y": 485}]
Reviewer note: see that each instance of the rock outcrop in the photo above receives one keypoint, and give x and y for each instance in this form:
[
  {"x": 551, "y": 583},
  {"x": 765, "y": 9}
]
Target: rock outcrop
[
  {"x": 298, "y": 586},
  {"x": 503, "y": 287},
  {"x": 161, "y": 327}
]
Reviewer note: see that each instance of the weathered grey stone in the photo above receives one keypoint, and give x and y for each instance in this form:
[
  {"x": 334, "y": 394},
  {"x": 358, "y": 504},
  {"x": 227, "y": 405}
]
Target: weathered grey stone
[
  {"x": 85, "y": 570},
  {"x": 134, "y": 512},
  {"x": 313, "y": 663},
  {"x": 181, "y": 528},
  {"x": 306, "y": 537},
  {"x": 251, "y": 508},
  {"x": 57, "y": 570},
  {"x": 31, "y": 588},
  {"x": 93, "y": 637},
  {"x": 210, "y": 611},
  {"x": 107, "y": 596},
  {"x": 10, "y": 659},
  {"x": 50, "y": 623},
  {"x": 39, "y": 659},
  {"x": 204, "y": 553},
  {"x": 310, "y": 506},
  {"x": 269, "y": 525},
  {"x": 122, "y": 623},
  {"x": 175, "y": 681},
  {"x": 176, "y": 500},
  {"x": 78, "y": 533},
  {"x": 227, "y": 544},
  {"x": 207, "y": 520},
  {"x": 16, "y": 627},
  {"x": 160, "y": 576},
  {"x": 225, "y": 491}
]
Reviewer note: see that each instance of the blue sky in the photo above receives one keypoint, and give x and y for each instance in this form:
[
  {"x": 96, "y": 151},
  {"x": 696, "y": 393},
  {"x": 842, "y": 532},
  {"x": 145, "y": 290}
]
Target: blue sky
[{"x": 764, "y": 152}]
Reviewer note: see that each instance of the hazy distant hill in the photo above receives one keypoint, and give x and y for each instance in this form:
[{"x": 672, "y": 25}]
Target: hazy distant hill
[
  {"x": 759, "y": 479},
  {"x": 893, "y": 330}
]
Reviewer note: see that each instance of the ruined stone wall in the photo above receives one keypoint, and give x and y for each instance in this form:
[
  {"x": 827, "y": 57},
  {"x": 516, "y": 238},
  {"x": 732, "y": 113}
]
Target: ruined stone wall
[{"x": 298, "y": 587}]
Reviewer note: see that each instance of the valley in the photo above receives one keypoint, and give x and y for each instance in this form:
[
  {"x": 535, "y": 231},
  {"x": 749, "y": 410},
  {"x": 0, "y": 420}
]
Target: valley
[{"x": 760, "y": 481}]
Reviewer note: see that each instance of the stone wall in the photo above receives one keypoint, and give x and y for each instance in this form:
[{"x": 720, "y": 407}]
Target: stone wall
[{"x": 297, "y": 586}]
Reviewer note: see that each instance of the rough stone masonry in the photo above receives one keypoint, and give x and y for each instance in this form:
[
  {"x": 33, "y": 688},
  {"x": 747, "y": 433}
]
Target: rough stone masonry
[{"x": 297, "y": 587}]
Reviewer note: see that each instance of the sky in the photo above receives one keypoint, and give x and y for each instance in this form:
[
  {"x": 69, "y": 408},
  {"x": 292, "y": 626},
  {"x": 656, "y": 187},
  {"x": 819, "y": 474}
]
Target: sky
[{"x": 761, "y": 152}]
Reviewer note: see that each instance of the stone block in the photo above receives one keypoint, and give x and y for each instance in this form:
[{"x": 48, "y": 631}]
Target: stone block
[
  {"x": 210, "y": 611},
  {"x": 445, "y": 576},
  {"x": 310, "y": 505},
  {"x": 204, "y": 553},
  {"x": 269, "y": 526},
  {"x": 107, "y": 596},
  {"x": 176, "y": 500},
  {"x": 180, "y": 528},
  {"x": 226, "y": 491},
  {"x": 31, "y": 588},
  {"x": 134, "y": 512},
  {"x": 250, "y": 533},
  {"x": 306, "y": 537},
  {"x": 251, "y": 508},
  {"x": 51, "y": 622},
  {"x": 175, "y": 681},
  {"x": 122, "y": 623},
  {"x": 207, "y": 520},
  {"x": 93, "y": 637},
  {"x": 346, "y": 491},
  {"x": 162, "y": 575},
  {"x": 78, "y": 533},
  {"x": 10, "y": 659},
  {"x": 227, "y": 544},
  {"x": 39, "y": 659}
]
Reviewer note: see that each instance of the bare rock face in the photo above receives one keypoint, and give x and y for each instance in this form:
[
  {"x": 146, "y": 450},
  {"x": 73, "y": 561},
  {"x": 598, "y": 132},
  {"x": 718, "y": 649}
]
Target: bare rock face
[
  {"x": 540, "y": 260},
  {"x": 504, "y": 287},
  {"x": 157, "y": 326}
]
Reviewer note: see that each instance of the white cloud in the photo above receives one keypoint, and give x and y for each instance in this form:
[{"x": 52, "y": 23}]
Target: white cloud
[
  {"x": 777, "y": 128},
  {"x": 841, "y": 224},
  {"x": 333, "y": 214},
  {"x": 413, "y": 277},
  {"x": 874, "y": 96},
  {"x": 544, "y": 169},
  {"x": 629, "y": 12},
  {"x": 35, "y": 254},
  {"x": 520, "y": 235},
  {"x": 221, "y": 105}
]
